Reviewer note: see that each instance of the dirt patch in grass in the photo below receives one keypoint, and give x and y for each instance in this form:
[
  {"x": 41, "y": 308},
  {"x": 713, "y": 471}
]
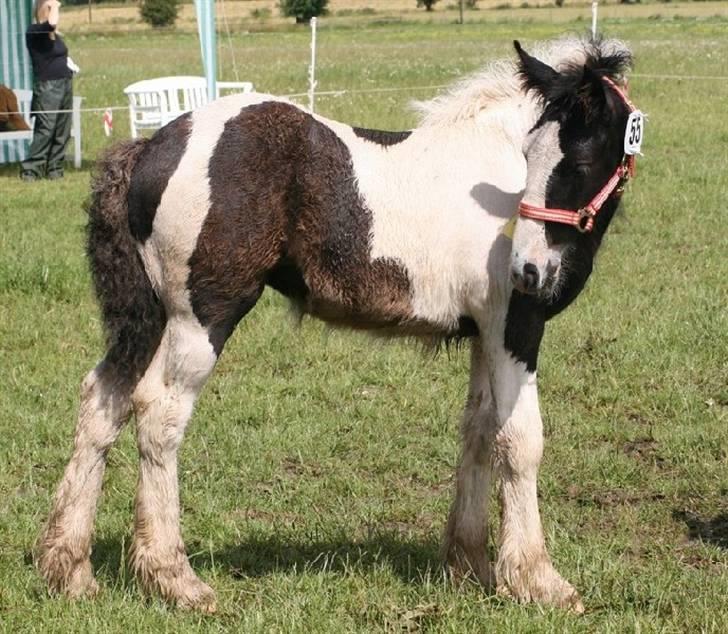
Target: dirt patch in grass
[
  {"x": 644, "y": 450},
  {"x": 611, "y": 497},
  {"x": 294, "y": 467},
  {"x": 695, "y": 558}
]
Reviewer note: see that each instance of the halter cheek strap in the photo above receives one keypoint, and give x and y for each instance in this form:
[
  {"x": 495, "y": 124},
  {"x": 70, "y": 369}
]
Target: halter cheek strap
[{"x": 583, "y": 219}]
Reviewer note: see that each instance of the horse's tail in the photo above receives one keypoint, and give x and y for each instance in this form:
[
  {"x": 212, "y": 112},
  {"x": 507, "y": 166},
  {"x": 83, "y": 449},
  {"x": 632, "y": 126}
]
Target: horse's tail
[{"x": 133, "y": 316}]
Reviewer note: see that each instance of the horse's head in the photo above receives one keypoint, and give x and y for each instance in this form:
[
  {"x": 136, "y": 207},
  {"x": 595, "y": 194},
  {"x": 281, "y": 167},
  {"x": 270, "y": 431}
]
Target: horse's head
[{"x": 573, "y": 153}]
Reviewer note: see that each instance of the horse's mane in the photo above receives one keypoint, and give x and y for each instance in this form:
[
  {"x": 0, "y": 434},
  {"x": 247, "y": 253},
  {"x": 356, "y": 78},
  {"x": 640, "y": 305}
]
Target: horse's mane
[{"x": 500, "y": 81}]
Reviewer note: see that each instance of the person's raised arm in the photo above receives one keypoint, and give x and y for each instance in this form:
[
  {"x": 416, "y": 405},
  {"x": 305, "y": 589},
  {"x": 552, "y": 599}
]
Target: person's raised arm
[{"x": 54, "y": 12}]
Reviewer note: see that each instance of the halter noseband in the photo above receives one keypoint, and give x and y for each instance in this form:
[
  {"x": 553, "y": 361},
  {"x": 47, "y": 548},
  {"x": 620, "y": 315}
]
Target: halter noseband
[{"x": 583, "y": 219}]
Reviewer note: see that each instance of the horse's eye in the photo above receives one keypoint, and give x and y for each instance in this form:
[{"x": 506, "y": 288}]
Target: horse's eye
[{"x": 582, "y": 169}]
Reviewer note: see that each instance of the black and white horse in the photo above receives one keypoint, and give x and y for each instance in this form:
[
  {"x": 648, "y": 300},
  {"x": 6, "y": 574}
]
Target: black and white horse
[{"x": 398, "y": 232}]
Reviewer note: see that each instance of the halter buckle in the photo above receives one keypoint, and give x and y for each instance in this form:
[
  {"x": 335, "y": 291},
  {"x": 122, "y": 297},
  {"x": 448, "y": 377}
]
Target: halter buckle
[{"x": 584, "y": 221}]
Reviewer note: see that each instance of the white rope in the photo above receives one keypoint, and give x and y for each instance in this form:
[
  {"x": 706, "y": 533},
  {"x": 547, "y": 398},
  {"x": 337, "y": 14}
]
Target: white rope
[
  {"x": 365, "y": 91},
  {"x": 362, "y": 91},
  {"x": 711, "y": 77}
]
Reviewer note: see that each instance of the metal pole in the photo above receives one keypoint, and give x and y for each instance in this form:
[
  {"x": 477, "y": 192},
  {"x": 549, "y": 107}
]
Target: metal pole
[
  {"x": 462, "y": 2},
  {"x": 208, "y": 43},
  {"x": 312, "y": 68}
]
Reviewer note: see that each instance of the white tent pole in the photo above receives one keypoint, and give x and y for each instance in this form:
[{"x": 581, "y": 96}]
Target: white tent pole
[
  {"x": 208, "y": 43},
  {"x": 312, "y": 67}
]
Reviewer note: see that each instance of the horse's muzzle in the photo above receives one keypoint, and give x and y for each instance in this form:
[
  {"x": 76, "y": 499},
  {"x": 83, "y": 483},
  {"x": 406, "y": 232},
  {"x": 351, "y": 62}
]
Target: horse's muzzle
[{"x": 530, "y": 281}]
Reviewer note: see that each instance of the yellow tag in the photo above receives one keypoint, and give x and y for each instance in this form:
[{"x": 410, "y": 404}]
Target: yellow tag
[{"x": 509, "y": 227}]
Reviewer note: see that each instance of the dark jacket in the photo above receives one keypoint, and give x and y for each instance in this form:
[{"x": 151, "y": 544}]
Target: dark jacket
[{"x": 49, "y": 56}]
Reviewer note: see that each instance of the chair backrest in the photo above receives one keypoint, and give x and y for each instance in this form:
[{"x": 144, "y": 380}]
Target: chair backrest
[
  {"x": 232, "y": 87},
  {"x": 155, "y": 102},
  {"x": 24, "y": 97}
]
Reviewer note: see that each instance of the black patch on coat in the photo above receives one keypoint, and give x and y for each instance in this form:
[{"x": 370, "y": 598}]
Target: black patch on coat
[
  {"x": 133, "y": 316},
  {"x": 466, "y": 329},
  {"x": 525, "y": 323},
  {"x": 382, "y": 137},
  {"x": 285, "y": 212},
  {"x": 287, "y": 279},
  {"x": 157, "y": 162}
]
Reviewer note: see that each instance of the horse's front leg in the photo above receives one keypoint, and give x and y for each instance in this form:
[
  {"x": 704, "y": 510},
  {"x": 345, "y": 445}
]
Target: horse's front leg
[
  {"x": 465, "y": 546},
  {"x": 523, "y": 569}
]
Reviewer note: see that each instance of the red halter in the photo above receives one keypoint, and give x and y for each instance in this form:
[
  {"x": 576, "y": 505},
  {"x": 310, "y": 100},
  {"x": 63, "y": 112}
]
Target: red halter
[{"x": 583, "y": 219}]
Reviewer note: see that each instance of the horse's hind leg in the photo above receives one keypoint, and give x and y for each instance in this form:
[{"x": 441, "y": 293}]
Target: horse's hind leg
[
  {"x": 64, "y": 548},
  {"x": 163, "y": 402}
]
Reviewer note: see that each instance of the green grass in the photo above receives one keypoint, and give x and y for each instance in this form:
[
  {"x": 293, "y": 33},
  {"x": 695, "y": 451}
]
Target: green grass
[{"x": 316, "y": 474}]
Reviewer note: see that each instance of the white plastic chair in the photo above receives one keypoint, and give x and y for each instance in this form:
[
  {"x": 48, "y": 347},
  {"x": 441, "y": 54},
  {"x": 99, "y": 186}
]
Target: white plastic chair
[
  {"x": 223, "y": 88},
  {"x": 153, "y": 103}
]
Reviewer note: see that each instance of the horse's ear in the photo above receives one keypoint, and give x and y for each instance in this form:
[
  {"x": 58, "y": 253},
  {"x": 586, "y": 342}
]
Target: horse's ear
[
  {"x": 534, "y": 74},
  {"x": 592, "y": 93}
]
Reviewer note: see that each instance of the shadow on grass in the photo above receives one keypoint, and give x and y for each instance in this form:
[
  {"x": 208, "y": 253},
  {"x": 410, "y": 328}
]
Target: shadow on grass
[
  {"x": 711, "y": 531},
  {"x": 411, "y": 560},
  {"x": 261, "y": 555}
]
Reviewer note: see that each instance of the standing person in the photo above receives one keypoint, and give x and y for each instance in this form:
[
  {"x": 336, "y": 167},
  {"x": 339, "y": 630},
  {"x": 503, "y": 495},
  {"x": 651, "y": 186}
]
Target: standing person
[{"x": 52, "y": 91}]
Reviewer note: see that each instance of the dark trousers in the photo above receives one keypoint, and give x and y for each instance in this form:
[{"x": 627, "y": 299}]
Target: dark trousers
[{"x": 51, "y": 130}]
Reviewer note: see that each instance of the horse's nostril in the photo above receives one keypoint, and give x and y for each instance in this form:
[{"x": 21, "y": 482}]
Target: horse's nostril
[{"x": 530, "y": 276}]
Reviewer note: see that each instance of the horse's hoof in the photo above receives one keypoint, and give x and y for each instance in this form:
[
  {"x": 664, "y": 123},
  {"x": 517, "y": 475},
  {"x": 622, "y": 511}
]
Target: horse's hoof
[
  {"x": 576, "y": 606},
  {"x": 74, "y": 580},
  {"x": 177, "y": 584},
  {"x": 541, "y": 584},
  {"x": 82, "y": 585},
  {"x": 461, "y": 570},
  {"x": 199, "y": 597}
]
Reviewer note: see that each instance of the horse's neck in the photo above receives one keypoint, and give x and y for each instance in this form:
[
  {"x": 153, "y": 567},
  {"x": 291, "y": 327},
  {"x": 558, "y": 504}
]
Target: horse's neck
[
  {"x": 513, "y": 118},
  {"x": 481, "y": 154}
]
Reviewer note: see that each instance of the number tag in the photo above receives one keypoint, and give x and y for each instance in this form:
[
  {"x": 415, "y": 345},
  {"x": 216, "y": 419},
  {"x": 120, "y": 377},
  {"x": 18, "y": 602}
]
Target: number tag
[{"x": 635, "y": 132}]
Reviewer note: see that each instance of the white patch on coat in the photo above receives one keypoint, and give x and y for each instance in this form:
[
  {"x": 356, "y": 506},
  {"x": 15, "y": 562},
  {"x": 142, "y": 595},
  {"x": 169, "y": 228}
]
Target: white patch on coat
[
  {"x": 543, "y": 154},
  {"x": 185, "y": 202},
  {"x": 439, "y": 200}
]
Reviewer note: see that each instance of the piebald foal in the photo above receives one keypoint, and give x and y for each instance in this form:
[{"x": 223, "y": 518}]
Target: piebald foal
[{"x": 403, "y": 233}]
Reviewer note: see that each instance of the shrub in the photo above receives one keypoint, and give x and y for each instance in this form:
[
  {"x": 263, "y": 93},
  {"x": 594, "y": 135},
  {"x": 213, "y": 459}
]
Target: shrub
[
  {"x": 159, "y": 12},
  {"x": 428, "y": 4},
  {"x": 303, "y": 10}
]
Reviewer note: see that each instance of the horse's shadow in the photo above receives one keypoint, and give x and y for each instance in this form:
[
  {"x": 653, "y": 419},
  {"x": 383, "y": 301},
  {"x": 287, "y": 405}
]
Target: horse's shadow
[
  {"x": 711, "y": 531},
  {"x": 410, "y": 559}
]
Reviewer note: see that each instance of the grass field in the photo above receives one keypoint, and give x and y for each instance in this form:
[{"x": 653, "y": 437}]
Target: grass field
[{"x": 317, "y": 472}]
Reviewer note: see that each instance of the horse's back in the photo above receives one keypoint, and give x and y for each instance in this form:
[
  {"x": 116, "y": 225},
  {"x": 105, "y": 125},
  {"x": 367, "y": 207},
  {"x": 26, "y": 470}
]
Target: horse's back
[{"x": 252, "y": 191}]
